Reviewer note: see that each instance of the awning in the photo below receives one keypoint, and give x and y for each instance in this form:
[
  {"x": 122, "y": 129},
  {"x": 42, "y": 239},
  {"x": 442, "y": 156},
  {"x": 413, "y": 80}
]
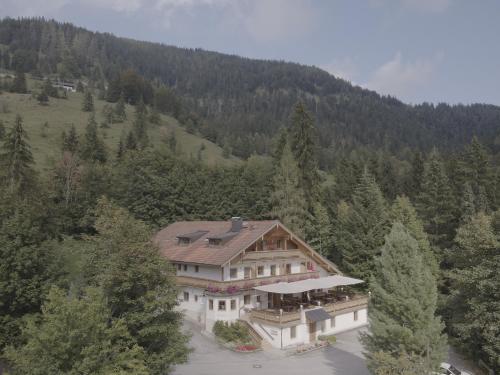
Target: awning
[
  {"x": 309, "y": 284},
  {"x": 317, "y": 315}
]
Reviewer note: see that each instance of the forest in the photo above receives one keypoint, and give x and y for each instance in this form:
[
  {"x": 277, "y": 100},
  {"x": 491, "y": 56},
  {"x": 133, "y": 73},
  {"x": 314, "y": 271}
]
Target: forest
[{"x": 404, "y": 197}]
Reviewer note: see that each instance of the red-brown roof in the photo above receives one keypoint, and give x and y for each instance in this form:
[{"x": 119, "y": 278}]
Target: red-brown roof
[{"x": 199, "y": 252}]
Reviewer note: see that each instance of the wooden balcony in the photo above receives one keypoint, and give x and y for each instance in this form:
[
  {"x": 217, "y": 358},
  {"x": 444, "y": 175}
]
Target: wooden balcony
[
  {"x": 244, "y": 284},
  {"x": 278, "y": 317},
  {"x": 293, "y": 254}
]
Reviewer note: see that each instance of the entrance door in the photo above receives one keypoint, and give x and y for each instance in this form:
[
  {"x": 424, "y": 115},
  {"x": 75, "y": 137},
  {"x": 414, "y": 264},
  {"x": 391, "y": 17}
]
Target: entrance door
[{"x": 312, "y": 331}]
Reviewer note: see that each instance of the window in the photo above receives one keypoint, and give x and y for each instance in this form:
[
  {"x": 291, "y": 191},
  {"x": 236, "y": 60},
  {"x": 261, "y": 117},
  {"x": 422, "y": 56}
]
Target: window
[
  {"x": 248, "y": 272},
  {"x": 293, "y": 332},
  {"x": 233, "y": 304},
  {"x": 355, "y": 315},
  {"x": 233, "y": 273},
  {"x": 179, "y": 266},
  {"x": 210, "y": 304},
  {"x": 196, "y": 268},
  {"x": 222, "y": 305},
  {"x": 258, "y": 299},
  {"x": 288, "y": 269},
  {"x": 214, "y": 242},
  {"x": 278, "y": 244},
  {"x": 183, "y": 241},
  {"x": 332, "y": 322},
  {"x": 246, "y": 299},
  {"x": 273, "y": 270},
  {"x": 185, "y": 267},
  {"x": 195, "y": 298},
  {"x": 260, "y": 270},
  {"x": 186, "y": 297}
]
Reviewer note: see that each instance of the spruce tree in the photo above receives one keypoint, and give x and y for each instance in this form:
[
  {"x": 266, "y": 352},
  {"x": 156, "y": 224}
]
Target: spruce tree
[
  {"x": 467, "y": 206},
  {"x": 288, "y": 201},
  {"x": 140, "y": 125},
  {"x": 119, "y": 110},
  {"x": 88, "y": 102},
  {"x": 16, "y": 159},
  {"x": 321, "y": 229},
  {"x": 402, "y": 211},
  {"x": 360, "y": 235},
  {"x": 416, "y": 175},
  {"x": 19, "y": 83},
  {"x": 403, "y": 306},
  {"x": 70, "y": 141},
  {"x": 436, "y": 203},
  {"x": 93, "y": 148},
  {"x": 304, "y": 148}
]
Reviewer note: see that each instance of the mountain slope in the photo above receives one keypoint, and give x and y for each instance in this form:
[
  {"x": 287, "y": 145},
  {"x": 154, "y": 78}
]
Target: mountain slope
[{"x": 244, "y": 101}]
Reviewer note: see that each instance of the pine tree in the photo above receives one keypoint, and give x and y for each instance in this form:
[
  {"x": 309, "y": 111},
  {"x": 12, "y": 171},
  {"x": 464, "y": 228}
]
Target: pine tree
[
  {"x": 360, "y": 235},
  {"x": 403, "y": 305},
  {"x": 70, "y": 141},
  {"x": 402, "y": 211},
  {"x": 93, "y": 148},
  {"x": 288, "y": 202},
  {"x": 76, "y": 335},
  {"x": 16, "y": 159},
  {"x": 88, "y": 102},
  {"x": 19, "y": 83},
  {"x": 435, "y": 202},
  {"x": 475, "y": 289},
  {"x": 119, "y": 110},
  {"x": 304, "y": 148},
  {"x": 140, "y": 125}
]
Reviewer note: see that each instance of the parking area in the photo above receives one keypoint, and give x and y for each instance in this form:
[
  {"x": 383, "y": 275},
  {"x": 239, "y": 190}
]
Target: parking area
[{"x": 344, "y": 358}]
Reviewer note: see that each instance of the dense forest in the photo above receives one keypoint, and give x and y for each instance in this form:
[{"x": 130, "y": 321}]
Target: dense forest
[
  {"x": 357, "y": 175},
  {"x": 242, "y": 102}
]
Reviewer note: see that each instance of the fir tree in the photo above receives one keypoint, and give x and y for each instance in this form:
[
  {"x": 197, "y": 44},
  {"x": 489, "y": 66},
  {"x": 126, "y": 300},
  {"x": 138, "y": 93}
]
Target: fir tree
[
  {"x": 403, "y": 305},
  {"x": 70, "y": 141},
  {"x": 16, "y": 159},
  {"x": 93, "y": 148},
  {"x": 303, "y": 145},
  {"x": 321, "y": 239},
  {"x": 288, "y": 202},
  {"x": 468, "y": 206},
  {"x": 435, "y": 202},
  {"x": 19, "y": 83},
  {"x": 416, "y": 175},
  {"x": 140, "y": 125},
  {"x": 360, "y": 235},
  {"x": 88, "y": 102},
  {"x": 119, "y": 110},
  {"x": 79, "y": 87}
]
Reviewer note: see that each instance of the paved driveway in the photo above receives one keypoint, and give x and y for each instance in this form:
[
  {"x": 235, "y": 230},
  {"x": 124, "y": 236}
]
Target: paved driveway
[{"x": 208, "y": 358}]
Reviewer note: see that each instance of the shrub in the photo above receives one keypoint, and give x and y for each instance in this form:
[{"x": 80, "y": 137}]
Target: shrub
[{"x": 231, "y": 332}]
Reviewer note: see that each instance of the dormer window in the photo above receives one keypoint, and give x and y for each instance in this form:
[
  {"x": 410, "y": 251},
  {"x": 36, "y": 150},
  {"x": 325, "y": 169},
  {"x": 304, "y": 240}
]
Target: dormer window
[
  {"x": 183, "y": 241},
  {"x": 214, "y": 241},
  {"x": 189, "y": 238}
]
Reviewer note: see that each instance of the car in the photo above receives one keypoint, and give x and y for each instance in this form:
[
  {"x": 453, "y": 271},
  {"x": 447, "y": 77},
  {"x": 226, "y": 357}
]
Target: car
[{"x": 447, "y": 369}]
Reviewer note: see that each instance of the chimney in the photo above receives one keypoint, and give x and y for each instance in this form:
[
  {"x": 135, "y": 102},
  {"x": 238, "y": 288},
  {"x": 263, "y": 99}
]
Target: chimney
[{"x": 236, "y": 224}]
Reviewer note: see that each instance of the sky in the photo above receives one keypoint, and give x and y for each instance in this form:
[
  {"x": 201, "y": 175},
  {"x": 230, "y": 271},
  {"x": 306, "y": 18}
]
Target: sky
[{"x": 417, "y": 50}]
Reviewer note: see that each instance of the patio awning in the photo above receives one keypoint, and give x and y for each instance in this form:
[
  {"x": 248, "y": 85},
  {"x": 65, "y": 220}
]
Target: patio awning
[
  {"x": 317, "y": 315},
  {"x": 309, "y": 284}
]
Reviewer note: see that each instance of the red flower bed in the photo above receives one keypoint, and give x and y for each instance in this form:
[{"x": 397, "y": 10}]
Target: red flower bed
[{"x": 246, "y": 348}]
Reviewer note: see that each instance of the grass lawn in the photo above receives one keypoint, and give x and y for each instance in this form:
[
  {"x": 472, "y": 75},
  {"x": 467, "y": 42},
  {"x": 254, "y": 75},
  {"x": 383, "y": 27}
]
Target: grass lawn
[{"x": 60, "y": 114}]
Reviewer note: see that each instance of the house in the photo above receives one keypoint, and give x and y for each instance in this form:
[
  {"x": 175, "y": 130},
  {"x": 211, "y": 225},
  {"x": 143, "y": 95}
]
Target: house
[{"x": 260, "y": 273}]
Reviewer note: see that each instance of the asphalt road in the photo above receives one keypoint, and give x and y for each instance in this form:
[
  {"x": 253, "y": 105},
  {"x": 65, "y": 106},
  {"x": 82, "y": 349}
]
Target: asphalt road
[{"x": 343, "y": 358}]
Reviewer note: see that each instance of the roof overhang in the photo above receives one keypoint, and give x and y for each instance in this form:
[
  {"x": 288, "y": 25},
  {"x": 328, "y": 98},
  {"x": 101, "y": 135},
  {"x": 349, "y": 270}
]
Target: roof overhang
[{"x": 309, "y": 284}]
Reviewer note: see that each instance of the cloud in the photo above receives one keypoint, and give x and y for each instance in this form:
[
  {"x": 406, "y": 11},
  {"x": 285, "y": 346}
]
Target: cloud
[
  {"x": 426, "y": 6},
  {"x": 401, "y": 78},
  {"x": 32, "y": 8},
  {"x": 344, "y": 68},
  {"x": 121, "y": 6}
]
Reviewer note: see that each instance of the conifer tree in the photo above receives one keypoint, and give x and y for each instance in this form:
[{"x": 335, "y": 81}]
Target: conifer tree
[
  {"x": 119, "y": 110},
  {"x": 130, "y": 142},
  {"x": 475, "y": 289},
  {"x": 288, "y": 202},
  {"x": 403, "y": 306},
  {"x": 16, "y": 159},
  {"x": 402, "y": 211},
  {"x": 19, "y": 83},
  {"x": 435, "y": 202},
  {"x": 70, "y": 141},
  {"x": 360, "y": 235},
  {"x": 468, "y": 206},
  {"x": 140, "y": 125},
  {"x": 2, "y": 130},
  {"x": 303, "y": 144},
  {"x": 88, "y": 102},
  {"x": 321, "y": 229},
  {"x": 93, "y": 148},
  {"x": 121, "y": 149}
]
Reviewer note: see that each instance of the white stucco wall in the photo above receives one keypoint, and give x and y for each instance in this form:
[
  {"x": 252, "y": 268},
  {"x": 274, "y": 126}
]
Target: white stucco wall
[
  {"x": 295, "y": 268},
  {"x": 204, "y": 272}
]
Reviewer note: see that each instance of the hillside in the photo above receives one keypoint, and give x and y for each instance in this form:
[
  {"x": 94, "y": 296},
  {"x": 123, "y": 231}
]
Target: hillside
[
  {"x": 243, "y": 102},
  {"x": 60, "y": 114}
]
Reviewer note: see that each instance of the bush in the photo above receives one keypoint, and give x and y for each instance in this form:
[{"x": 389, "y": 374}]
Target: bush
[
  {"x": 231, "y": 332},
  {"x": 330, "y": 338}
]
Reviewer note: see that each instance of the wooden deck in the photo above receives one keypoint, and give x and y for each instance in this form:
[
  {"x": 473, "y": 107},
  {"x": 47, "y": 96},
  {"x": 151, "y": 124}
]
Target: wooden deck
[{"x": 336, "y": 308}]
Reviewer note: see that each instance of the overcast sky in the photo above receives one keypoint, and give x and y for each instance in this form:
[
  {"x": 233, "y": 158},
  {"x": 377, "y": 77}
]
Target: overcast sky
[{"x": 417, "y": 50}]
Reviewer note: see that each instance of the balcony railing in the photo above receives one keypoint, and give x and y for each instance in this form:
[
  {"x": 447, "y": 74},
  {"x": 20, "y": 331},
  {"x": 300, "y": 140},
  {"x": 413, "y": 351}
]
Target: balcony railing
[
  {"x": 335, "y": 308},
  {"x": 235, "y": 285},
  {"x": 273, "y": 254}
]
